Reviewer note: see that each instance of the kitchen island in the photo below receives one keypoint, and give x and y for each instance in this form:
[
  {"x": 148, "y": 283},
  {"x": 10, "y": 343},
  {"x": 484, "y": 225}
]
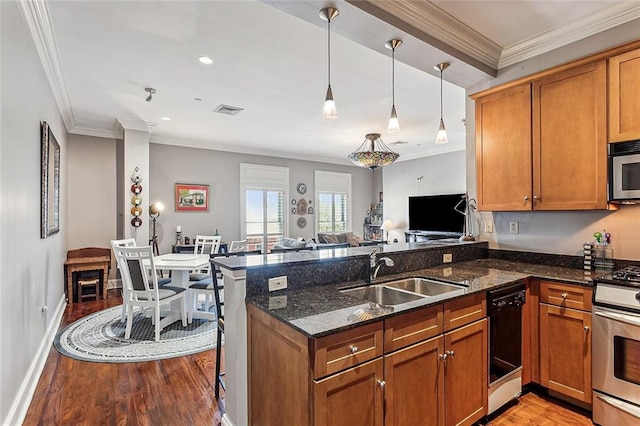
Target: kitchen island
[{"x": 313, "y": 306}]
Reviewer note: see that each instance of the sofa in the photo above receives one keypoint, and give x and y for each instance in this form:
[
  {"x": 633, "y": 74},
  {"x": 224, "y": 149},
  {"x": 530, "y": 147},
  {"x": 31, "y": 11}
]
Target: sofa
[{"x": 343, "y": 237}]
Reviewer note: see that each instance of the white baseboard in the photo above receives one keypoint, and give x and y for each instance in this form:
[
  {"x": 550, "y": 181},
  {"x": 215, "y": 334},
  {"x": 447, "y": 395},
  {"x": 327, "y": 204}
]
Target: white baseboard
[{"x": 21, "y": 403}]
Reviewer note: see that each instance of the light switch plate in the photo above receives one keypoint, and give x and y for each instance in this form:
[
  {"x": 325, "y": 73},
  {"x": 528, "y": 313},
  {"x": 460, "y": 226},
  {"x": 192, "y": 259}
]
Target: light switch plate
[
  {"x": 513, "y": 227},
  {"x": 488, "y": 227},
  {"x": 447, "y": 258},
  {"x": 277, "y": 283}
]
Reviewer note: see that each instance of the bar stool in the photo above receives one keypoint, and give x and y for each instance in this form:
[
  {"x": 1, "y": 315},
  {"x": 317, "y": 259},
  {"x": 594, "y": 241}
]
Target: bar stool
[{"x": 85, "y": 284}]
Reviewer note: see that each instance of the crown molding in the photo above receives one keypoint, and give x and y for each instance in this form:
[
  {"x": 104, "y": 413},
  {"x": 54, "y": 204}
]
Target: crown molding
[
  {"x": 99, "y": 133},
  {"x": 430, "y": 19},
  {"x": 36, "y": 15},
  {"x": 595, "y": 23}
]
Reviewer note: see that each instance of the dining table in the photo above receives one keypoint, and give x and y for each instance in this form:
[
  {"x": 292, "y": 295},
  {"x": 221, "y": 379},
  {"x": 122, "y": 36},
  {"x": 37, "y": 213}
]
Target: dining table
[{"x": 180, "y": 264}]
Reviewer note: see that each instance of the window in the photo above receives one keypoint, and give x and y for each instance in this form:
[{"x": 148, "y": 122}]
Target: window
[
  {"x": 264, "y": 191},
  {"x": 333, "y": 195},
  {"x": 332, "y": 212},
  {"x": 264, "y": 220}
]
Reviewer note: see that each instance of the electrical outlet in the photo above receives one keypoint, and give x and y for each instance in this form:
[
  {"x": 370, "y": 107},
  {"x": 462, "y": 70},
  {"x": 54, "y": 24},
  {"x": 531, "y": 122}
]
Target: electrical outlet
[
  {"x": 447, "y": 258},
  {"x": 513, "y": 227},
  {"x": 488, "y": 227},
  {"x": 447, "y": 272},
  {"x": 277, "y": 283}
]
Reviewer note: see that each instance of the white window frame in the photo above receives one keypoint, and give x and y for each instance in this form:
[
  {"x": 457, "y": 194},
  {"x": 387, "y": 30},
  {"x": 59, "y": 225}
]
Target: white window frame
[
  {"x": 256, "y": 176},
  {"x": 334, "y": 182}
]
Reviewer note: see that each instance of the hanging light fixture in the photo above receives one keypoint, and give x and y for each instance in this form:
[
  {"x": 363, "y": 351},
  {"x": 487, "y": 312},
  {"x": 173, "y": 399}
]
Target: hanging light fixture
[
  {"x": 329, "y": 112},
  {"x": 394, "y": 124},
  {"x": 442, "y": 133},
  {"x": 151, "y": 91},
  {"x": 373, "y": 153}
]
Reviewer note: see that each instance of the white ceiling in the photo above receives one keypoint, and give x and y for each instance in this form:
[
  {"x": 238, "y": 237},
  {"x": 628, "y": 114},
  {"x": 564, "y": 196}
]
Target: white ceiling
[{"x": 270, "y": 58}]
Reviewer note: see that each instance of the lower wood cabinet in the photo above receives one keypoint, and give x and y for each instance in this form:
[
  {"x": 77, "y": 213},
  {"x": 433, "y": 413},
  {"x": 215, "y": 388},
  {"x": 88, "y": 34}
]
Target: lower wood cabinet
[
  {"x": 440, "y": 380},
  {"x": 565, "y": 339}
]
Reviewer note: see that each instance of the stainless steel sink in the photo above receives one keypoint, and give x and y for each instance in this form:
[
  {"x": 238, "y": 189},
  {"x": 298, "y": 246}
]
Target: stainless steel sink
[
  {"x": 382, "y": 295},
  {"x": 406, "y": 290},
  {"x": 424, "y": 286}
]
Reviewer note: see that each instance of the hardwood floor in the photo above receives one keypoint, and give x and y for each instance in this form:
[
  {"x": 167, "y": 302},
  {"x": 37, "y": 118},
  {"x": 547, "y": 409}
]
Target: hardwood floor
[
  {"x": 177, "y": 391},
  {"x": 536, "y": 408}
]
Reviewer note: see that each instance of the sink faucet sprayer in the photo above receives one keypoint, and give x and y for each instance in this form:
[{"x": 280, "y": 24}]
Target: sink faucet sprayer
[{"x": 374, "y": 266}]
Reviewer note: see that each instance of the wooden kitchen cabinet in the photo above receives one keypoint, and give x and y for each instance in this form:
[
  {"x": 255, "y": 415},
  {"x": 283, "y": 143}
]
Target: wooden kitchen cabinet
[
  {"x": 565, "y": 340},
  {"x": 503, "y": 150},
  {"x": 624, "y": 97},
  {"x": 541, "y": 145},
  {"x": 465, "y": 374},
  {"x": 352, "y": 397}
]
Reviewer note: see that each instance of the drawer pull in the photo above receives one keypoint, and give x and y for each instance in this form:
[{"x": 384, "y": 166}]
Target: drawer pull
[
  {"x": 353, "y": 349},
  {"x": 451, "y": 353},
  {"x": 382, "y": 384},
  {"x": 564, "y": 296}
]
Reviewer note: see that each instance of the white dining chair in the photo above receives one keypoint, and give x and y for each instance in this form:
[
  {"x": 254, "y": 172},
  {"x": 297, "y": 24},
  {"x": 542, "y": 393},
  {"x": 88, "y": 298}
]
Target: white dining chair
[
  {"x": 127, "y": 242},
  {"x": 143, "y": 289},
  {"x": 237, "y": 246}
]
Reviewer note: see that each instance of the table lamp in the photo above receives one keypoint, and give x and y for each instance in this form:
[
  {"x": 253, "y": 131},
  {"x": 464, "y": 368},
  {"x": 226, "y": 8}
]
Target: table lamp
[
  {"x": 154, "y": 213},
  {"x": 386, "y": 225}
]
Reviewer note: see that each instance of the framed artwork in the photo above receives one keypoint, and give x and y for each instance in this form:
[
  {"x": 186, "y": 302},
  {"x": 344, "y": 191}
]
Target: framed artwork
[
  {"x": 192, "y": 198},
  {"x": 49, "y": 182}
]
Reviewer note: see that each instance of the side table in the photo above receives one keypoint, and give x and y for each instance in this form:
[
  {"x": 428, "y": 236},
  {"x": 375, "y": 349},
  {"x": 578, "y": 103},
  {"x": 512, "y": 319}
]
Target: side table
[{"x": 80, "y": 264}]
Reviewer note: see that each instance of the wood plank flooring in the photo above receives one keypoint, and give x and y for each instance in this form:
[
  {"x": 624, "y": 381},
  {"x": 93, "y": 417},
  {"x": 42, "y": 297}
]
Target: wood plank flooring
[{"x": 179, "y": 391}]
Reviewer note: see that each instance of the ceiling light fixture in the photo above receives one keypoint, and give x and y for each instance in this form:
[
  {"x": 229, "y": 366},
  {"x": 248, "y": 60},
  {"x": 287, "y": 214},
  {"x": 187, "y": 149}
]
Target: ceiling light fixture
[
  {"x": 329, "y": 112},
  {"x": 394, "y": 124},
  {"x": 151, "y": 92},
  {"x": 165, "y": 118},
  {"x": 205, "y": 60},
  {"x": 367, "y": 155},
  {"x": 442, "y": 133}
]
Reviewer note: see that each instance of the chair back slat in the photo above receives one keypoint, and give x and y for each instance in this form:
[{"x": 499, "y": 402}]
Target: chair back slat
[{"x": 207, "y": 244}]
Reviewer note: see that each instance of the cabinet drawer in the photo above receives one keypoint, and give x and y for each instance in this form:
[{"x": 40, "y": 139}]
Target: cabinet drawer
[
  {"x": 339, "y": 351},
  {"x": 465, "y": 310},
  {"x": 566, "y": 295},
  {"x": 404, "y": 330}
]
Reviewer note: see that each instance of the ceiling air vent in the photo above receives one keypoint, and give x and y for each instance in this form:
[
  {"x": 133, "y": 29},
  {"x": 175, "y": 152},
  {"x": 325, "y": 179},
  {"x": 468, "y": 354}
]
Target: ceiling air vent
[{"x": 227, "y": 109}]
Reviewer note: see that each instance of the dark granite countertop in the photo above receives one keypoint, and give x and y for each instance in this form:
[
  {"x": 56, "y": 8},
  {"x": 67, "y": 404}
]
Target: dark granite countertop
[{"x": 324, "y": 310}]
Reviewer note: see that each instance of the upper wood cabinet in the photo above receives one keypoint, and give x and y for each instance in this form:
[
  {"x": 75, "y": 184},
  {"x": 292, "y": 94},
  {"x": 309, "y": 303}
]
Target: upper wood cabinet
[
  {"x": 543, "y": 145},
  {"x": 624, "y": 97},
  {"x": 503, "y": 149}
]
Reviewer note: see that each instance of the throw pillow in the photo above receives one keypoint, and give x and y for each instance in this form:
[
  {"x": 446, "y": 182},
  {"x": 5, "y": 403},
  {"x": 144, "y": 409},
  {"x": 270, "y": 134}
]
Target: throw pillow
[
  {"x": 353, "y": 240},
  {"x": 331, "y": 239}
]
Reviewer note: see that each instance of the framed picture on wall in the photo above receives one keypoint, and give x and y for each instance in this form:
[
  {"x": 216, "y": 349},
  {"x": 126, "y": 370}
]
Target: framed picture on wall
[
  {"x": 50, "y": 183},
  {"x": 191, "y": 198}
]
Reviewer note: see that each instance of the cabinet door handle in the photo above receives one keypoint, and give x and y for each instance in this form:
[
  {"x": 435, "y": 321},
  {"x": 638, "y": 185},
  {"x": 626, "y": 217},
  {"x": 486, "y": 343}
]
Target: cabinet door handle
[
  {"x": 536, "y": 198},
  {"x": 564, "y": 296},
  {"x": 451, "y": 353},
  {"x": 382, "y": 384},
  {"x": 353, "y": 349},
  {"x": 526, "y": 198},
  {"x": 443, "y": 356},
  {"x": 586, "y": 328}
]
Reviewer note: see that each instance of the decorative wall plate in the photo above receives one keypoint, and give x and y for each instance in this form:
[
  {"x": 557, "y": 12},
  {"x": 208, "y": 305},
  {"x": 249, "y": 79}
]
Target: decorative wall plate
[
  {"x": 301, "y": 188},
  {"x": 293, "y": 202},
  {"x": 302, "y": 222}
]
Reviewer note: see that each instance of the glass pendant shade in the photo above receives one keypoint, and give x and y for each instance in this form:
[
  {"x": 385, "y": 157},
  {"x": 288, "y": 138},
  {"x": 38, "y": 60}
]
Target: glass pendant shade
[
  {"x": 441, "y": 138},
  {"x": 394, "y": 124},
  {"x": 373, "y": 153},
  {"x": 329, "y": 112}
]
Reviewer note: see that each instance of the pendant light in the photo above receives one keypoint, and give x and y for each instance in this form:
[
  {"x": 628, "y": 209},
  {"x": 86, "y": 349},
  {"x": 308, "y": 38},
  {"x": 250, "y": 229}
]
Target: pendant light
[
  {"x": 329, "y": 112},
  {"x": 394, "y": 124},
  {"x": 442, "y": 133},
  {"x": 373, "y": 153}
]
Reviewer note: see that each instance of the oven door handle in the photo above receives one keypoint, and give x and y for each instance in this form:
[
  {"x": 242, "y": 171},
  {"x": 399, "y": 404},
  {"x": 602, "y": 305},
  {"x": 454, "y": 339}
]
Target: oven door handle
[
  {"x": 626, "y": 408},
  {"x": 625, "y": 318}
]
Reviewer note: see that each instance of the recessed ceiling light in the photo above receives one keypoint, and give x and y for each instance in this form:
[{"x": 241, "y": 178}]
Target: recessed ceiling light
[
  {"x": 197, "y": 99},
  {"x": 205, "y": 60},
  {"x": 165, "y": 118}
]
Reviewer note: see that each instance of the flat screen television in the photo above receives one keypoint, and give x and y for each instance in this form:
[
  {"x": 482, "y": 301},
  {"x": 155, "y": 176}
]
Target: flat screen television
[{"x": 435, "y": 213}]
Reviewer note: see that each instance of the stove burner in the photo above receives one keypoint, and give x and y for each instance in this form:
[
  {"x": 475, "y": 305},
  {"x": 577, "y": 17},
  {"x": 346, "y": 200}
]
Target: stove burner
[{"x": 630, "y": 273}]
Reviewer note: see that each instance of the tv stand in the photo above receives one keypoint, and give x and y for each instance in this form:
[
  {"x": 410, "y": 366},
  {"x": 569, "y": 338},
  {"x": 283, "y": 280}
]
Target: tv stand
[{"x": 417, "y": 236}]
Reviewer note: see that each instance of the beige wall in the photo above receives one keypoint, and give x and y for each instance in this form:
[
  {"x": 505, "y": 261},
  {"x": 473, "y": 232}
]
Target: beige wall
[
  {"x": 557, "y": 232},
  {"x": 441, "y": 174},
  {"x": 31, "y": 268}
]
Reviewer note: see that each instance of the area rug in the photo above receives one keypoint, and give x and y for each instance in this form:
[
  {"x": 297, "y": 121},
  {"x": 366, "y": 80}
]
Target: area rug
[{"x": 99, "y": 337}]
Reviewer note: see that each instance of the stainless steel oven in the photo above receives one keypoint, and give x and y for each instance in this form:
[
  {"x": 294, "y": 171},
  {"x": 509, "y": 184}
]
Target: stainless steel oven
[
  {"x": 616, "y": 352},
  {"x": 624, "y": 171}
]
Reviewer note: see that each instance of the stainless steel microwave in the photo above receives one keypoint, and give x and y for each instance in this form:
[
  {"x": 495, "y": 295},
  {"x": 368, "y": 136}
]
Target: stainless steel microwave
[{"x": 624, "y": 172}]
